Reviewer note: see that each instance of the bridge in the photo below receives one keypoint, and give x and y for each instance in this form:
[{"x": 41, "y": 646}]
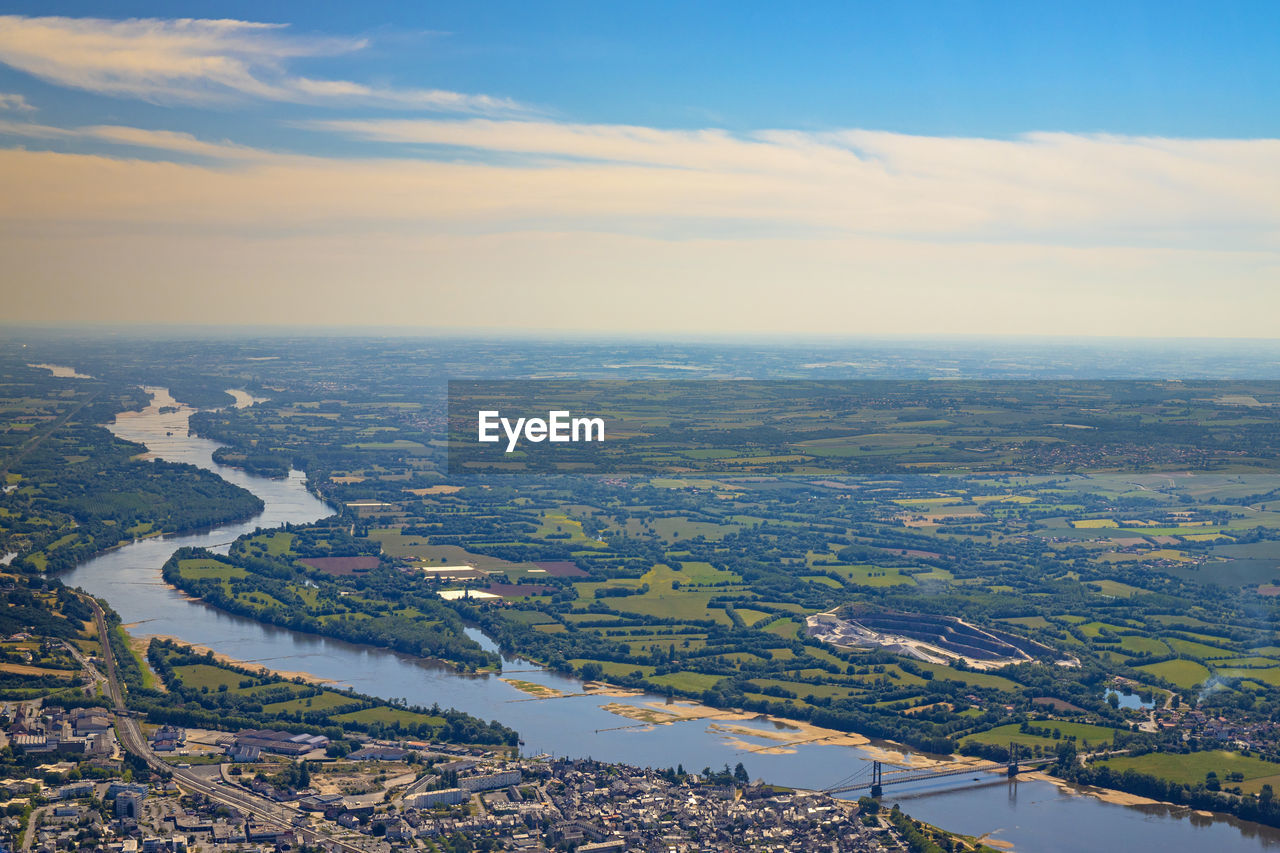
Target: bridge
[{"x": 878, "y": 778}]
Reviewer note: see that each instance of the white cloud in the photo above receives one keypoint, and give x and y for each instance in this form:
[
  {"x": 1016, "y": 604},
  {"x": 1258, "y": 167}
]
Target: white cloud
[
  {"x": 203, "y": 61},
  {"x": 1049, "y": 189},
  {"x": 159, "y": 140},
  {"x": 537, "y": 224},
  {"x": 1057, "y": 187},
  {"x": 17, "y": 103}
]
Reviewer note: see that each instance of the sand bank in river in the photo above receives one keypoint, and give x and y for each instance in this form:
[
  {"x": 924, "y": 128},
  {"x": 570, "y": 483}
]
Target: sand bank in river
[
  {"x": 539, "y": 691},
  {"x": 787, "y": 734}
]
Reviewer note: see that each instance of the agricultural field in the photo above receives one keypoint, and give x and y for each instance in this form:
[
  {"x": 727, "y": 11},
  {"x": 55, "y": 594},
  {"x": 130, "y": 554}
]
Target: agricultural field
[
  {"x": 1180, "y": 673},
  {"x": 1123, "y": 533},
  {"x": 1193, "y": 768},
  {"x": 1044, "y": 735}
]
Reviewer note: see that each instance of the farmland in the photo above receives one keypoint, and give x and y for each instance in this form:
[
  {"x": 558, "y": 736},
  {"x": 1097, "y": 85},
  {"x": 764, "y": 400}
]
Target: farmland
[
  {"x": 699, "y": 586},
  {"x": 1128, "y": 533}
]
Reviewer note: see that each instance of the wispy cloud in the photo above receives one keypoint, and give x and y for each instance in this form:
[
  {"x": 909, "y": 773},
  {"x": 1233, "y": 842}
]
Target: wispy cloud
[
  {"x": 205, "y": 61},
  {"x": 604, "y": 227},
  {"x": 1067, "y": 188},
  {"x": 16, "y": 103},
  {"x": 135, "y": 137},
  {"x": 1048, "y": 189}
]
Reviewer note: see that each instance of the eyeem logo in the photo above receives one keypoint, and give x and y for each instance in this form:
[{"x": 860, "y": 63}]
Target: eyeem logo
[{"x": 559, "y": 426}]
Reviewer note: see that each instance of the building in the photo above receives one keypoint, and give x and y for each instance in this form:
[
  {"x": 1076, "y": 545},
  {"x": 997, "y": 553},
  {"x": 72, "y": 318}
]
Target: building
[
  {"x": 129, "y": 804},
  {"x": 490, "y": 781},
  {"x": 117, "y": 787},
  {"x": 73, "y": 791},
  {"x": 281, "y": 743},
  {"x": 168, "y": 738},
  {"x": 430, "y": 799},
  {"x": 611, "y": 845}
]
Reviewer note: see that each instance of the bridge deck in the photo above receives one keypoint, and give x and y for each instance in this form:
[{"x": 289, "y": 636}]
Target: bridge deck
[{"x": 901, "y": 776}]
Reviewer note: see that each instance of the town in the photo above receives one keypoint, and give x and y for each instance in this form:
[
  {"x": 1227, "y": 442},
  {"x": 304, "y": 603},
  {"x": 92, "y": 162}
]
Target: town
[{"x": 268, "y": 790}]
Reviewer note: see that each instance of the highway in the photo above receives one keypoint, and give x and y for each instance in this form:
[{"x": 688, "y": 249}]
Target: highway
[{"x": 261, "y": 809}]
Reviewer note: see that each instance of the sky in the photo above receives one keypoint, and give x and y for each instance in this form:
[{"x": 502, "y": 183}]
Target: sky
[{"x": 923, "y": 168}]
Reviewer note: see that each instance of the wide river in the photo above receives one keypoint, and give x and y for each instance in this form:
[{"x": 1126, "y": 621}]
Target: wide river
[{"x": 1031, "y": 814}]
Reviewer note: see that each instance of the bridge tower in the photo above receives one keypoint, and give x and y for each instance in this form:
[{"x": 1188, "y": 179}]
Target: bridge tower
[
  {"x": 1013, "y": 760},
  {"x": 877, "y": 779}
]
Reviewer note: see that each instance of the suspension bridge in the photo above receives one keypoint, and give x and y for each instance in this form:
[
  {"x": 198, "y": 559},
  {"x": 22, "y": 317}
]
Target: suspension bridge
[{"x": 872, "y": 778}]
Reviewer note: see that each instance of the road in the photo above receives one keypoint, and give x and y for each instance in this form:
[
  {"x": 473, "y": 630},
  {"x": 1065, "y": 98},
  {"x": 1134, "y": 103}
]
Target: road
[
  {"x": 34, "y": 442},
  {"x": 133, "y": 741},
  {"x": 28, "y": 837}
]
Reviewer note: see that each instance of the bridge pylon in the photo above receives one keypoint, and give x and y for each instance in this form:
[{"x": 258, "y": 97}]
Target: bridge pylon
[
  {"x": 877, "y": 779},
  {"x": 1013, "y": 760}
]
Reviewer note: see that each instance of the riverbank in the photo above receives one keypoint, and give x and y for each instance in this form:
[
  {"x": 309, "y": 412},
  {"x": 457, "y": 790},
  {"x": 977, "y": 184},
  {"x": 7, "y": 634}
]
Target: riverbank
[
  {"x": 256, "y": 666},
  {"x": 1107, "y": 795}
]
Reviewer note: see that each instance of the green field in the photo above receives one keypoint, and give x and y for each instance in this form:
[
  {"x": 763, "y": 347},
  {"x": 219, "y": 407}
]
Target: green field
[
  {"x": 389, "y": 716},
  {"x": 1143, "y": 645},
  {"x": 213, "y": 678},
  {"x": 1082, "y": 732},
  {"x": 326, "y": 701},
  {"x": 688, "y": 681},
  {"x": 198, "y": 569},
  {"x": 670, "y": 594},
  {"x": 977, "y": 679},
  {"x": 1199, "y": 650},
  {"x": 874, "y": 576},
  {"x": 1183, "y": 673},
  {"x": 1191, "y": 768}
]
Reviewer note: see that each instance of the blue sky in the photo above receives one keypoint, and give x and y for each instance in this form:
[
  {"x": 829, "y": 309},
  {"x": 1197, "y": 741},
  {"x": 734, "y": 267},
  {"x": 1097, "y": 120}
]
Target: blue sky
[
  {"x": 967, "y": 68},
  {"x": 504, "y": 164}
]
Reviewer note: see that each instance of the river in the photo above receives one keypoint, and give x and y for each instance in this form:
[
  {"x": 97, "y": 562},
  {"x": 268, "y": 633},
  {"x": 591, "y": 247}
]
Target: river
[{"x": 1030, "y": 814}]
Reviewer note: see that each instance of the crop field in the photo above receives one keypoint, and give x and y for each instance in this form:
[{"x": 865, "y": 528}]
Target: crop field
[
  {"x": 559, "y": 525},
  {"x": 212, "y": 677},
  {"x": 677, "y": 528},
  {"x": 1081, "y": 733},
  {"x": 1192, "y": 768},
  {"x": 1183, "y": 673},
  {"x": 671, "y": 594},
  {"x": 324, "y": 701},
  {"x": 874, "y": 576},
  {"x": 690, "y": 682},
  {"x": 1199, "y": 651},
  {"x": 389, "y": 716},
  {"x": 200, "y": 569},
  {"x": 1143, "y": 645}
]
